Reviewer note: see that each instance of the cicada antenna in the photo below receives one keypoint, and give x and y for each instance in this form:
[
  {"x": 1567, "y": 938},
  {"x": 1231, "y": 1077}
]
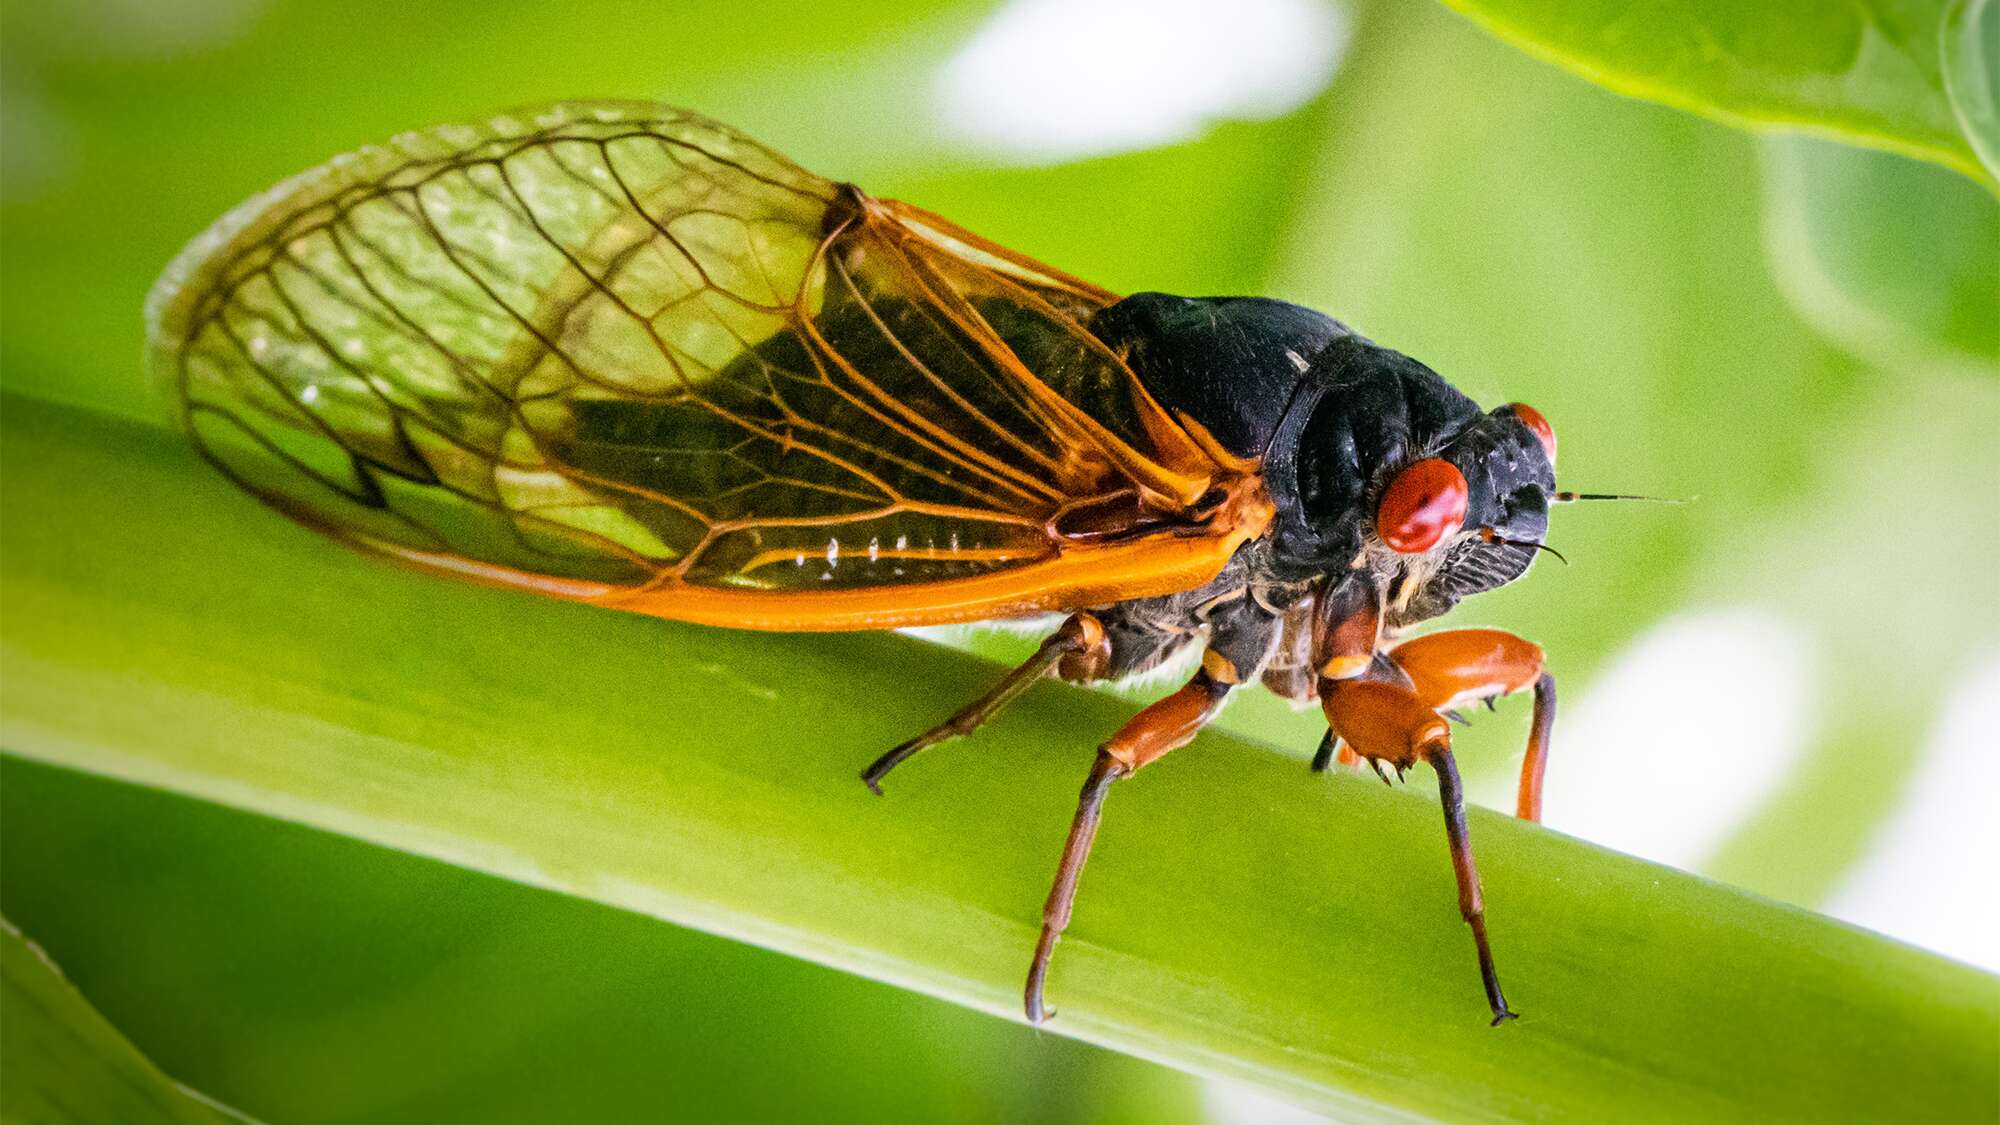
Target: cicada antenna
[{"x": 1572, "y": 497}]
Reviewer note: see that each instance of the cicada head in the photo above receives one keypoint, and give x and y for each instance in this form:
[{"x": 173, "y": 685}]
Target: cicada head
[
  {"x": 1386, "y": 466},
  {"x": 1473, "y": 515}
]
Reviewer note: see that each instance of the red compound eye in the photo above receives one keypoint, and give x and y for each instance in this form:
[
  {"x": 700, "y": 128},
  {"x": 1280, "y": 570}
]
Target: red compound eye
[
  {"x": 1532, "y": 418},
  {"x": 1423, "y": 505}
]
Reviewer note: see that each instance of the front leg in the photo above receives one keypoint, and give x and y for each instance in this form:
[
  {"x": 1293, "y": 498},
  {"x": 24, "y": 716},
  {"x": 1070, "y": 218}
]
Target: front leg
[
  {"x": 1390, "y": 723},
  {"x": 1347, "y": 637},
  {"x": 1461, "y": 666}
]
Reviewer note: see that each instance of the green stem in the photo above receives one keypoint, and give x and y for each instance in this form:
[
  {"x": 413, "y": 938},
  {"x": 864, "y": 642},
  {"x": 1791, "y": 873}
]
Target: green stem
[{"x": 1243, "y": 916}]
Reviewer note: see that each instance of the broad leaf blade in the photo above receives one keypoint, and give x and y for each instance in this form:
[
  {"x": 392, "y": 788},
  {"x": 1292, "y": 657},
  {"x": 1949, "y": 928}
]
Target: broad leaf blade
[
  {"x": 1896, "y": 261},
  {"x": 1871, "y": 73}
]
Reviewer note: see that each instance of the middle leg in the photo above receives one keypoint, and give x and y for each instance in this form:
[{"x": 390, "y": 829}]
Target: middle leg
[
  {"x": 1166, "y": 725},
  {"x": 1240, "y": 643}
]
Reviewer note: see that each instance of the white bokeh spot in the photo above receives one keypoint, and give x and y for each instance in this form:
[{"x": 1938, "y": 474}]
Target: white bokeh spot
[
  {"x": 1932, "y": 876},
  {"x": 1684, "y": 736},
  {"x": 1231, "y": 1103},
  {"x": 1061, "y": 79}
]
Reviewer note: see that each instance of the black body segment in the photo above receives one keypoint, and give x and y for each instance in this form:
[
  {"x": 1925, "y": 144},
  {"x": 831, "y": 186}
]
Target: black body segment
[
  {"x": 1367, "y": 412},
  {"x": 1331, "y": 415},
  {"x": 1229, "y": 364}
]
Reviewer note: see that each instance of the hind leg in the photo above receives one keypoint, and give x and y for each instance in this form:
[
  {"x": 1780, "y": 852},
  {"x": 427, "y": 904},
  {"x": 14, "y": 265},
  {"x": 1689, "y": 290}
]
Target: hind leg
[{"x": 1078, "y": 646}]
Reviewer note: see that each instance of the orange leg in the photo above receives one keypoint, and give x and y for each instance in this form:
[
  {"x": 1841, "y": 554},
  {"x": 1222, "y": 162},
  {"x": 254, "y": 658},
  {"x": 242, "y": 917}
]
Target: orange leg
[
  {"x": 1379, "y": 668},
  {"x": 1390, "y": 723},
  {"x": 1528, "y": 806},
  {"x": 1346, "y": 639},
  {"x": 1462, "y": 666},
  {"x": 1165, "y": 725},
  {"x": 1077, "y": 646}
]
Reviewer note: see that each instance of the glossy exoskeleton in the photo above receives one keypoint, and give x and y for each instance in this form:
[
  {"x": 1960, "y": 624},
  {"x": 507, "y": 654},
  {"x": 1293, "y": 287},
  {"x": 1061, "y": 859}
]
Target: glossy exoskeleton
[{"x": 1394, "y": 497}]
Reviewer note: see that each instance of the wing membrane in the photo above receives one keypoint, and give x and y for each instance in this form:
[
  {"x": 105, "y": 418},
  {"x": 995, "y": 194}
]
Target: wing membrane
[{"x": 620, "y": 352}]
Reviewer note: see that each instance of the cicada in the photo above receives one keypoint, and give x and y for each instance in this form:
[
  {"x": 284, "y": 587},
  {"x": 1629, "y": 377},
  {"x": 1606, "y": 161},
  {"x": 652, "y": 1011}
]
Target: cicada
[{"x": 620, "y": 353}]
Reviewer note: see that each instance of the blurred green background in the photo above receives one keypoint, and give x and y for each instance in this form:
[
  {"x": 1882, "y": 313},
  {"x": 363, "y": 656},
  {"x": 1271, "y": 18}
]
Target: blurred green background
[{"x": 1770, "y": 685}]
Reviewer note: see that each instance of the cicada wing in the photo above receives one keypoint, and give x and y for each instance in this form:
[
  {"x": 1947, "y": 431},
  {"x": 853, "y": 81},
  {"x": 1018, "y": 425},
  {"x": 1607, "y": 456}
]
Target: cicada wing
[
  {"x": 619, "y": 351},
  {"x": 1037, "y": 317}
]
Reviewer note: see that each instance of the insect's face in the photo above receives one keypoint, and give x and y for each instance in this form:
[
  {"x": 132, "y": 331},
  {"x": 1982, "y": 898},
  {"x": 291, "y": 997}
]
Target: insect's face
[{"x": 1470, "y": 518}]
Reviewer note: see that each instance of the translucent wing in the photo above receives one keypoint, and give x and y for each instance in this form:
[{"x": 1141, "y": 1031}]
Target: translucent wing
[{"x": 622, "y": 353}]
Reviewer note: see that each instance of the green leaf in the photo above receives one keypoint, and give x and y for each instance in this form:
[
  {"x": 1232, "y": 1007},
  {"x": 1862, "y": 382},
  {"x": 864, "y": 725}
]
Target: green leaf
[
  {"x": 65, "y": 1063},
  {"x": 1241, "y": 917},
  {"x": 1872, "y": 73},
  {"x": 1895, "y": 260},
  {"x": 1972, "y": 75}
]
